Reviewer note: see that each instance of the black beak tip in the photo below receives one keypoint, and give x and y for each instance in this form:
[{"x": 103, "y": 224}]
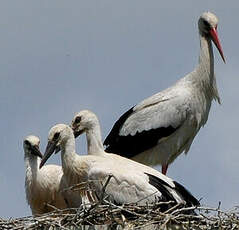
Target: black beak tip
[
  {"x": 43, "y": 161},
  {"x": 36, "y": 151},
  {"x": 77, "y": 133},
  {"x": 50, "y": 148},
  {"x": 58, "y": 149},
  {"x": 41, "y": 164}
]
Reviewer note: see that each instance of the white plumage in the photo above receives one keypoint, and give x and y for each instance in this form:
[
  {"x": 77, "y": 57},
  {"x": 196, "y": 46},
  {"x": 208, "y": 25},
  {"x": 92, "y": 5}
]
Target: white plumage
[
  {"x": 159, "y": 128},
  {"x": 130, "y": 182},
  {"x": 44, "y": 188}
]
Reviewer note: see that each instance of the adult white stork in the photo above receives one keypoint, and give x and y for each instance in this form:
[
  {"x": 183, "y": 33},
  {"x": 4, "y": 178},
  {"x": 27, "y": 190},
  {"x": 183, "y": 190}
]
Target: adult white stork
[
  {"x": 130, "y": 181},
  {"x": 161, "y": 127},
  {"x": 44, "y": 188}
]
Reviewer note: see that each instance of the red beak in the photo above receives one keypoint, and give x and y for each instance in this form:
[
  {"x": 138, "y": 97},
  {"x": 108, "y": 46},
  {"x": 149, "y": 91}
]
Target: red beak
[{"x": 215, "y": 39}]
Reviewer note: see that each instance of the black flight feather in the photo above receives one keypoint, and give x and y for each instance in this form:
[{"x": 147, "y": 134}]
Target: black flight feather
[
  {"x": 129, "y": 146},
  {"x": 167, "y": 196},
  {"x": 161, "y": 186},
  {"x": 186, "y": 195}
]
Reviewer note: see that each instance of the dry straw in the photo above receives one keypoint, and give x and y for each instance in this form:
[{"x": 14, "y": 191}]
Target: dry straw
[
  {"x": 128, "y": 216},
  {"x": 106, "y": 215}
]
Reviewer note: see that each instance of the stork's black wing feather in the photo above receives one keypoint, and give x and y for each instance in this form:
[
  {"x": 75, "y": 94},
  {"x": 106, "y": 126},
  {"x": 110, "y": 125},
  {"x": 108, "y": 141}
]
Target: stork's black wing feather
[
  {"x": 116, "y": 128},
  {"x": 187, "y": 196},
  {"x": 129, "y": 146},
  {"x": 161, "y": 186},
  {"x": 167, "y": 196}
]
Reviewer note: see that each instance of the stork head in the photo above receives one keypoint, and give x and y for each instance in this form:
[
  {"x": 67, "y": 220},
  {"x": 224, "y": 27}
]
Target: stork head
[
  {"x": 207, "y": 25},
  {"x": 31, "y": 146},
  {"x": 58, "y": 135},
  {"x": 83, "y": 121}
]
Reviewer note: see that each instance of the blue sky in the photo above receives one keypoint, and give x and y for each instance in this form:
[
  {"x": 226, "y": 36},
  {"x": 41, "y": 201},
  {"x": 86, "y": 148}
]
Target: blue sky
[{"x": 59, "y": 57}]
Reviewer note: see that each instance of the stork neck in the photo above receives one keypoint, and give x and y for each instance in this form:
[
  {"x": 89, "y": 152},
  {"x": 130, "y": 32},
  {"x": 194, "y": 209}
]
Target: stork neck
[
  {"x": 68, "y": 151},
  {"x": 206, "y": 59},
  {"x": 32, "y": 166},
  {"x": 94, "y": 141}
]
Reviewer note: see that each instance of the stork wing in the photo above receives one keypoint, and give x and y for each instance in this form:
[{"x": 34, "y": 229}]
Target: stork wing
[
  {"x": 127, "y": 188},
  {"x": 164, "y": 114},
  {"x": 141, "y": 127},
  {"x": 140, "y": 184}
]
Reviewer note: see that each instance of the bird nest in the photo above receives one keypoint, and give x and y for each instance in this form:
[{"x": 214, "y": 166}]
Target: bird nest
[
  {"x": 106, "y": 215},
  {"x": 130, "y": 216}
]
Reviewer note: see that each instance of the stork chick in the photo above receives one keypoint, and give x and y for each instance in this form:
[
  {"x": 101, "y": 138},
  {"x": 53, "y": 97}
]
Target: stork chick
[
  {"x": 161, "y": 127},
  {"x": 130, "y": 181},
  {"x": 43, "y": 187}
]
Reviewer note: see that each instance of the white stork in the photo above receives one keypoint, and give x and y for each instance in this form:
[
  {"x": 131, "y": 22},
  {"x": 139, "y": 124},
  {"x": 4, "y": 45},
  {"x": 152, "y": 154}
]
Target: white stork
[
  {"x": 130, "y": 181},
  {"x": 44, "y": 188},
  {"x": 161, "y": 127}
]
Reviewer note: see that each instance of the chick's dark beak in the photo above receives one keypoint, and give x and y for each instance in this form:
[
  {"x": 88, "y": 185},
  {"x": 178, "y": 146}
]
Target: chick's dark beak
[
  {"x": 50, "y": 148},
  {"x": 76, "y": 132},
  {"x": 58, "y": 149},
  {"x": 36, "y": 151}
]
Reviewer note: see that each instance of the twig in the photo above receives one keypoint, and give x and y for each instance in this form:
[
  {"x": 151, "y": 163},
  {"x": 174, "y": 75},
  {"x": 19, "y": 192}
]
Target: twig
[
  {"x": 104, "y": 188},
  {"x": 105, "y": 212}
]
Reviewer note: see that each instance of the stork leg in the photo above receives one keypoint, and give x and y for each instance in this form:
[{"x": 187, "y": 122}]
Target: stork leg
[{"x": 164, "y": 168}]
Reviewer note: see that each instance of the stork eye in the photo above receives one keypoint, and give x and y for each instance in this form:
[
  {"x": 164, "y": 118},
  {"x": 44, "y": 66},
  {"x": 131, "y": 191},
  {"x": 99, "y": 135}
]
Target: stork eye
[
  {"x": 56, "y": 136},
  {"x": 78, "y": 120},
  {"x": 206, "y": 23},
  {"x": 27, "y": 142}
]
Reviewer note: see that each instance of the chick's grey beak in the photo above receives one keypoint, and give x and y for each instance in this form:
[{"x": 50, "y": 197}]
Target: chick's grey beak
[
  {"x": 50, "y": 148},
  {"x": 36, "y": 151},
  {"x": 58, "y": 149},
  {"x": 76, "y": 133}
]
